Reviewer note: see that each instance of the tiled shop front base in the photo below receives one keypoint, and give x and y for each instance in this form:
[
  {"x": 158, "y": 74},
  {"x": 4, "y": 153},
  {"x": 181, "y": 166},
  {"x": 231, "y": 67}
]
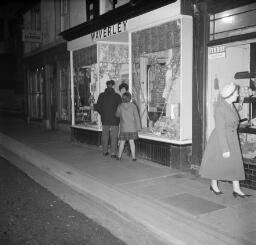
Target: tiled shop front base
[
  {"x": 86, "y": 136},
  {"x": 167, "y": 154},
  {"x": 250, "y": 173},
  {"x": 172, "y": 155}
]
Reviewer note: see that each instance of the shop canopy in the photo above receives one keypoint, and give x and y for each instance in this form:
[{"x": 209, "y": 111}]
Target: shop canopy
[{"x": 127, "y": 11}]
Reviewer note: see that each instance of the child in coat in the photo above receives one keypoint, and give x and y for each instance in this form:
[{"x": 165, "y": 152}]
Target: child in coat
[{"x": 129, "y": 124}]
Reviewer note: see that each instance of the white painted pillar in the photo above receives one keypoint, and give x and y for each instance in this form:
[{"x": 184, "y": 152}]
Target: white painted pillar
[{"x": 72, "y": 89}]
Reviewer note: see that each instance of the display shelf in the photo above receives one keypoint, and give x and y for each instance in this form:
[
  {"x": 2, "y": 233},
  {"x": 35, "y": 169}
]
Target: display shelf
[
  {"x": 247, "y": 129},
  {"x": 251, "y": 99}
]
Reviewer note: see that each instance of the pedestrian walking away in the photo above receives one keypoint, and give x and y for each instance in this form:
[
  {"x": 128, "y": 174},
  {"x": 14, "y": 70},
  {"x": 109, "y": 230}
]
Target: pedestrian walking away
[
  {"x": 106, "y": 106},
  {"x": 129, "y": 124},
  {"x": 222, "y": 159}
]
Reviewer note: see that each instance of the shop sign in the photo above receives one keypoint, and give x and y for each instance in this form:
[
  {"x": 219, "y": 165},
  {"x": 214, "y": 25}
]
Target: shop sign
[
  {"x": 31, "y": 36},
  {"x": 217, "y": 52},
  {"x": 109, "y": 31}
]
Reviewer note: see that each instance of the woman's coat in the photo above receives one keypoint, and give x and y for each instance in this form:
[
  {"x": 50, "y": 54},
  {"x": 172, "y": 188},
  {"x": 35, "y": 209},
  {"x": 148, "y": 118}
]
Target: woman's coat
[
  {"x": 129, "y": 117},
  {"x": 224, "y": 138}
]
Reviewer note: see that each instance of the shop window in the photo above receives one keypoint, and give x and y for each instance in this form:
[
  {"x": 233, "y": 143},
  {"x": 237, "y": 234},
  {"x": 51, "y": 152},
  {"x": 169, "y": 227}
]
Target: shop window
[
  {"x": 159, "y": 98},
  {"x": 36, "y": 93},
  {"x": 64, "y": 95},
  {"x": 82, "y": 92},
  {"x": 92, "y": 9},
  {"x": 156, "y": 79},
  {"x": 233, "y": 22},
  {"x": 90, "y": 80}
]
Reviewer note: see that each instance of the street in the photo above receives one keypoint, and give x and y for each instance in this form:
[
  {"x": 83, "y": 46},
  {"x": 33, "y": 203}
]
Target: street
[{"x": 32, "y": 215}]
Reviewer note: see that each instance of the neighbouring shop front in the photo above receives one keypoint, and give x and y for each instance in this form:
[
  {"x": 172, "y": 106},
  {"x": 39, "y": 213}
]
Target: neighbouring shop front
[
  {"x": 232, "y": 58},
  {"x": 47, "y": 77},
  {"x": 152, "y": 53}
]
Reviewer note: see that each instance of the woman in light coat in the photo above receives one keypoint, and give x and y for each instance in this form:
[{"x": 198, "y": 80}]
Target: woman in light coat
[
  {"x": 129, "y": 124},
  {"x": 222, "y": 159}
]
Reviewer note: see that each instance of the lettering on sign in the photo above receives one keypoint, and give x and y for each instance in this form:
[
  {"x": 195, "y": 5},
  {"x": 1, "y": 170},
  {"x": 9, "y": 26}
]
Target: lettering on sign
[
  {"x": 109, "y": 31},
  {"x": 217, "y": 52},
  {"x": 31, "y": 36}
]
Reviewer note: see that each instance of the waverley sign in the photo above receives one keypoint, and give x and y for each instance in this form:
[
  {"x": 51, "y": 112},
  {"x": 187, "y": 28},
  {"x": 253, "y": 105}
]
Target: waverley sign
[{"x": 109, "y": 31}]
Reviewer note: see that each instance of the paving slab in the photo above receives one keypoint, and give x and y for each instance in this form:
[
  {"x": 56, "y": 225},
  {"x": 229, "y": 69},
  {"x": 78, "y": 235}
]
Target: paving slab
[{"x": 192, "y": 204}]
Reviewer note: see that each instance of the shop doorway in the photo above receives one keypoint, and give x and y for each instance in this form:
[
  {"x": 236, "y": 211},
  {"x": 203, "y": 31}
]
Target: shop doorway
[{"x": 224, "y": 62}]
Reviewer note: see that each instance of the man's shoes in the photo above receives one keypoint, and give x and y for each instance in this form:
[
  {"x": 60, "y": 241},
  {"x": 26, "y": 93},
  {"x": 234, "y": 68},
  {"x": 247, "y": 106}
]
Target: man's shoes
[
  {"x": 113, "y": 156},
  {"x": 105, "y": 153}
]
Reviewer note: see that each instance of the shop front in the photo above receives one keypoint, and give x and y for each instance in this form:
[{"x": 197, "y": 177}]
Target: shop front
[
  {"x": 48, "y": 88},
  {"x": 152, "y": 53},
  {"x": 232, "y": 58}
]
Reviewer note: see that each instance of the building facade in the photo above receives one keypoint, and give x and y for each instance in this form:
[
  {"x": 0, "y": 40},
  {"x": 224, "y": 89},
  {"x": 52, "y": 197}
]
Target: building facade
[
  {"x": 151, "y": 52},
  {"x": 174, "y": 55},
  {"x": 46, "y": 64}
]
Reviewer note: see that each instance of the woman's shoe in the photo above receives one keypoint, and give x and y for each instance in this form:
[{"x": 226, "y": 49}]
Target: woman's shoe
[
  {"x": 215, "y": 192},
  {"x": 134, "y": 159},
  {"x": 118, "y": 158},
  {"x": 235, "y": 194}
]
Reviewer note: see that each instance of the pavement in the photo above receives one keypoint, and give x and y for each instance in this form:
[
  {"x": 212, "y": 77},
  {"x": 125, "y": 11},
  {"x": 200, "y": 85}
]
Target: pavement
[{"x": 176, "y": 207}]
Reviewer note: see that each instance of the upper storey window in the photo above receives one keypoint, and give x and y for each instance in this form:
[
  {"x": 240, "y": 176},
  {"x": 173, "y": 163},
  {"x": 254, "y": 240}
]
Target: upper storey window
[
  {"x": 64, "y": 8},
  {"x": 36, "y": 19},
  {"x": 92, "y": 9}
]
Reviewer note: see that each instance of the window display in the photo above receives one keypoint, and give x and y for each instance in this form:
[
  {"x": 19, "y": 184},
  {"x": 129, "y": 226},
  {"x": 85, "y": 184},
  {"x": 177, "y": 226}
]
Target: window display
[
  {"x": 90, "y": 81},
  {"x": 247, "y": 111},
  {"x": 113, "y": 63},
  {"x": 223, "y": 69},
  {"x": 156, "y": 79},
  {"x": 85, "y": 88}
]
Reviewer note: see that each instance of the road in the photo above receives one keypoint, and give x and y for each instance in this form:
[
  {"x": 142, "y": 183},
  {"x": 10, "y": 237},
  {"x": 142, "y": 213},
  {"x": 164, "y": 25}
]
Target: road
[{"x": 32, "y": 215}]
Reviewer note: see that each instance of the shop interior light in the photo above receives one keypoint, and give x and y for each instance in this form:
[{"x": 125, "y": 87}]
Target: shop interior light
[{"x": 228, "y": 19}]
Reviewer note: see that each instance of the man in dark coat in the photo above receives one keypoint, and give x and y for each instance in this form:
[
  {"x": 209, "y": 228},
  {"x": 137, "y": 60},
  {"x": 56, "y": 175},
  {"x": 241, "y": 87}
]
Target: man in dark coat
[{"x": 106, "y": 106}]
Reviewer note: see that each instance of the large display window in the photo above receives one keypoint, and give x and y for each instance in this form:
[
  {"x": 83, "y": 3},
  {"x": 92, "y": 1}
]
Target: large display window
[
  {"x": 157, "y": 81},
  {"x": 90, "y": 80}
]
